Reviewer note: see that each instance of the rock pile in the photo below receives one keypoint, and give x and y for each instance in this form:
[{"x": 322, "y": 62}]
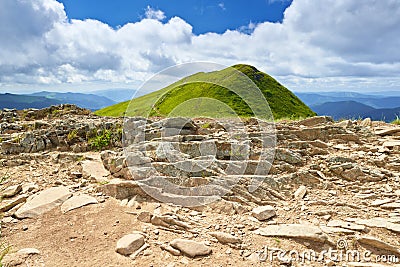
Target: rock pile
[{"x": 322, "y": 185}]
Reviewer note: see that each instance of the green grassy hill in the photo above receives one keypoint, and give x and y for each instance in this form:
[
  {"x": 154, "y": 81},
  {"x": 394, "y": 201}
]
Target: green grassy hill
[{"x": 206, "y": 94}]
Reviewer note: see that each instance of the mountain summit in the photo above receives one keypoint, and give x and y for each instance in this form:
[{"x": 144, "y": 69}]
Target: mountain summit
[{"x": 208, "y": 94}]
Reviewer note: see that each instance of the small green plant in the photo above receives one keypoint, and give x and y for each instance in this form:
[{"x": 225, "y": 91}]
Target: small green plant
[
  {"x": 17, "y": 139},
  {"x": 72, "y": 135},
  {"x": 4, "y": 249},
  {"x": 206, "y": 125},
  {"x": 101, "y": 140},
  {"x": 396, "y": 121},
  {"x": 4, "y": 177}
]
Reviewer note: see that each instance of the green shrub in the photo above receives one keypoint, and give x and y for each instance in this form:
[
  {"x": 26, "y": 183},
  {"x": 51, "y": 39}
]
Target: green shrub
[{"x": 101, "y": 140}]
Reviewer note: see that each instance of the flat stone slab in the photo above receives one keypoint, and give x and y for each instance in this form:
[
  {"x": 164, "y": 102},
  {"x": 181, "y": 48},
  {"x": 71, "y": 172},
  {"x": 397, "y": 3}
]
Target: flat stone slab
[
  {"x": 391, "y": 143},
  {"x": 191, "y": 248},
  {"x": 380, "y": 202},
  {"x": 377, "y": 243},
  {"x": 43, "y": 202},
  {"x": 346, "y": 225},
  {"x": 76, "y": 202},
  {"x": 95, "y": 169},
  {"x": 301, "y": 231},
  {"x": 336, "y": 230},
  {"x": 388, "y": 131},
  {"x": 379, "y": 223},
  {"x": 391, "y": 206}
]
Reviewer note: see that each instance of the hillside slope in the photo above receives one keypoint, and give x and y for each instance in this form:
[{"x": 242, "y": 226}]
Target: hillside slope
[{"x": 192, "y": 96}]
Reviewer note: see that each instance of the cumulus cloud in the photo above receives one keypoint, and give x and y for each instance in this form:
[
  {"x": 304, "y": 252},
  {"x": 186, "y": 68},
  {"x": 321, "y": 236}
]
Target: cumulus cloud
[
  {"x": 318, "y": 43},
  {"x": 154, "y": 14}
]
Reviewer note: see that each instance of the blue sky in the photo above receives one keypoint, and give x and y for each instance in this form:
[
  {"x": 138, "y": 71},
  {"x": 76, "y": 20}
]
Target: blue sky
[
  {"x": 204, "y": 15},
  {"x": 84, "y": 45}
]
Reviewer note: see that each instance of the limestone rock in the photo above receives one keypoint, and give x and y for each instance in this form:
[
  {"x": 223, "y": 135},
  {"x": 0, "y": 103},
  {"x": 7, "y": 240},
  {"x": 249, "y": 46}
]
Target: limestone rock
[
  {"x": 301, "y": 231},
  {"x": 128, "y": 244},
  {"x": 315, "y": 121},
  {"x": 366, "y": 122},
  {"x": 95, "y": 170},
  {"x": 43, "y": 202},
  {"x": 191, "y": 248},
  {"x": 225, "y": 238},
  {"x": 391, "y": 206},
  {"x": 8, "y": 204},
  {"x": 300, "y": 192},
  {"x": 263, "y": 213},
  {"x": 377, "y": 243},
  {"x": 77, "y": 202},
  {"x": 11, "y": 191},
  {"x": 346, "y": 225},
  {"x": 28, "y": 251},
  {"x": 379, "y": 223}
]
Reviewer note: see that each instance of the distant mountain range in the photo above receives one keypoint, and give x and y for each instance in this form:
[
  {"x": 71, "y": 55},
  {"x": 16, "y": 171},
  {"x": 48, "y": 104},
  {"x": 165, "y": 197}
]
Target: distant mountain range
[
  {"x": 25, "y": 101},
  {"x": 350, "y": 105},
  {"x": 45, "y": 99},
  {"x": 339, "y": 105},
  {"x": 355, "y": 110},
  {"x": 375, "y": 101}
]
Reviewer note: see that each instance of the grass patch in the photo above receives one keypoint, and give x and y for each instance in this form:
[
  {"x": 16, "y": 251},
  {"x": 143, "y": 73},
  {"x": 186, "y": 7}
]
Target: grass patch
[
  {"x": 396, "y": 121},
  {"x": 72, "y": 135}
]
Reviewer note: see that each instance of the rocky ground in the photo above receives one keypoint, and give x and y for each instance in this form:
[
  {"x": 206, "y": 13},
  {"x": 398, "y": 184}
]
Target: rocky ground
[{"x": 72, "y": 196}]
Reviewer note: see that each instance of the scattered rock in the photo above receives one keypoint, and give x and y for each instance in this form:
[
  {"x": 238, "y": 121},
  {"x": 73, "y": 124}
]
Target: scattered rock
[
  {"x": 28, "y": 251},
  {"x": 43, "y": 202},
  {"x": 11, "y": 191},
  {"x": 379, "y": 244},
  {"x": 300, "y": 192},
  {"x": 95, "y": 170},
  {"x": 346, "y": 225},
  {"x": 263, "y": 213},
  {"x": 225, "y": 238},
  {"x": 77, "y": 202},
  {"x": 8, "y": 204},
  {"x": 367, "y": 122},
  {"x": 128, "y": 244},
  {"x": 301, "y": 231},
  {"x": 144, "y": 216},
  {"x": 170, "y": 249},
  {"x": 191, "y": 248},
  {"x": 379, "y": 223}
]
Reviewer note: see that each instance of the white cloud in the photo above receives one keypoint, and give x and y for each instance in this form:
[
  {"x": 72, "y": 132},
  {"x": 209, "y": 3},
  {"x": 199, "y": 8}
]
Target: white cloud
[
  {"x": 154, "y": 14},
  {"x": 222, "y": 6},
  {"x": 329, "y": 43}
]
